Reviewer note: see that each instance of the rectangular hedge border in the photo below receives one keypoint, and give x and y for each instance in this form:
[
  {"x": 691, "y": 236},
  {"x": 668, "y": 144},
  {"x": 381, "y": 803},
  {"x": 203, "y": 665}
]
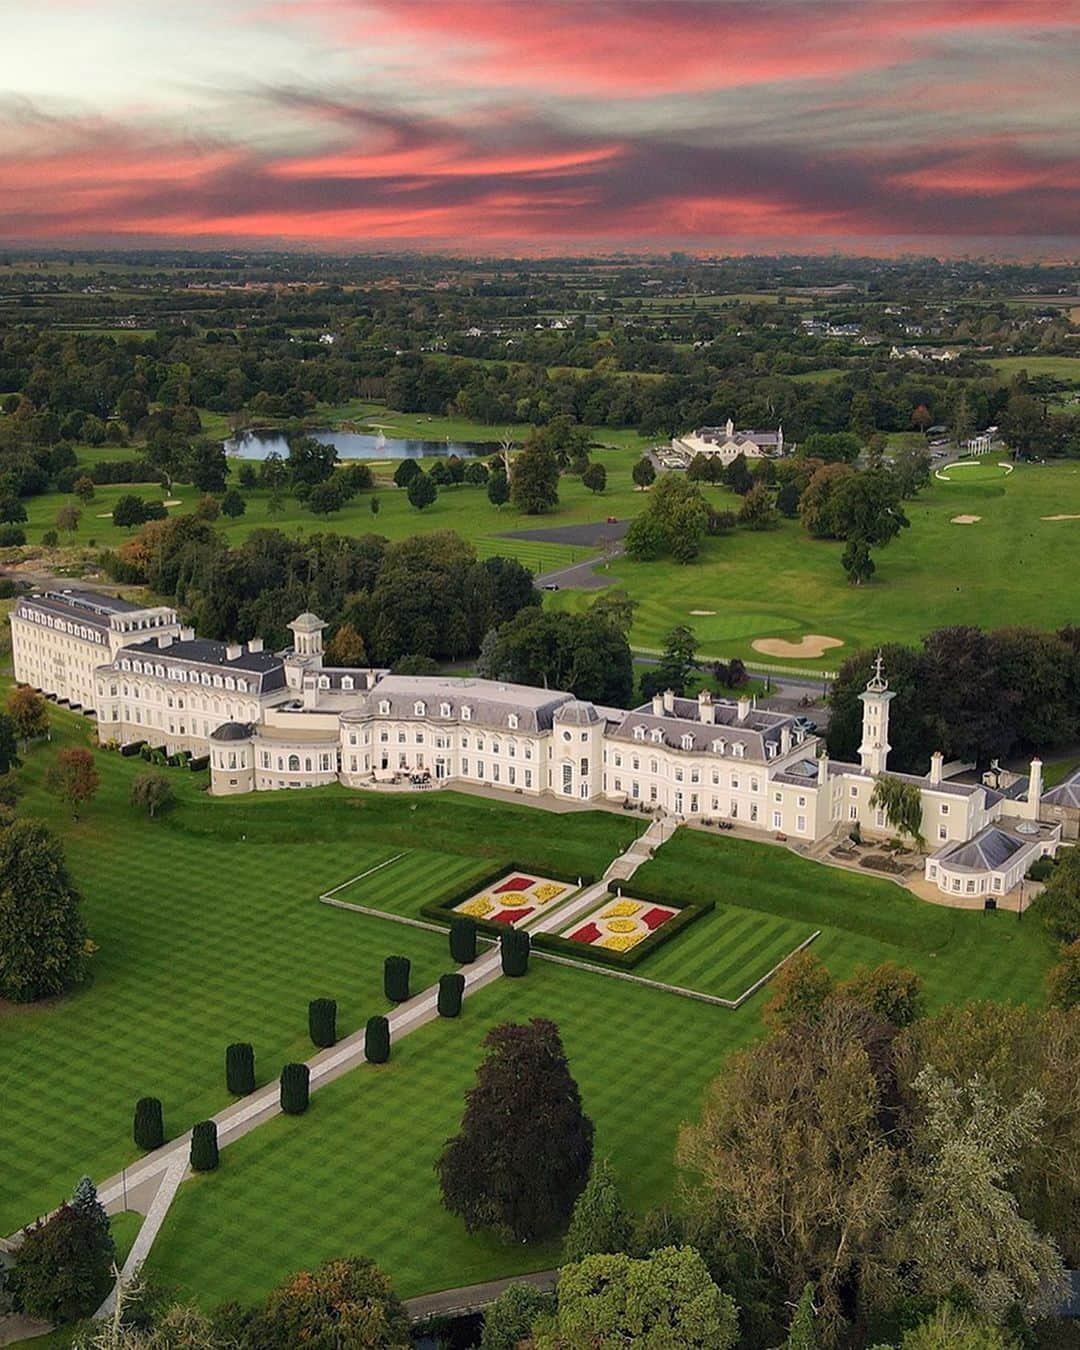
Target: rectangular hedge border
[
  {"x": 442, "y": 910},
  {"x": 688, "y": 912}
]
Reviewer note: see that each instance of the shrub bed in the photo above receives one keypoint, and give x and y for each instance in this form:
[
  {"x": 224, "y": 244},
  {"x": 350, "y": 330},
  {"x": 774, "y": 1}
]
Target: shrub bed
[{"x": 688, "y": 912}]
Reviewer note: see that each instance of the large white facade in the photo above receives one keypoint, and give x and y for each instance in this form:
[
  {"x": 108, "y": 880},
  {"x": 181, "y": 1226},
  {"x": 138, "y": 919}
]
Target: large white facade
[{"x": 274, "y": 720}]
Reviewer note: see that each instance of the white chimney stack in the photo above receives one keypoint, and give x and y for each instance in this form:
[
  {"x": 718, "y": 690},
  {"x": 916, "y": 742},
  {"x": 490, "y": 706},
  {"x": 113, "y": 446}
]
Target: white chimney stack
[
  {"x": 823, "y": 768},
  {"x": 164, "y": 640},
  {"x": 187, "y": 634},
  {"x": 937, "y": 762},
  {"x": 785, "y": 740},
  {"x": 669, "y": 700},
  {"x": 706, "y": 708},
  {"x": 233, "y": 650},
  {"x": 255, "y": 645},
  {"x": 658, "y": 705},
  {"x": 1035, "y": 789},
  {"x": 744, "y": 708}
]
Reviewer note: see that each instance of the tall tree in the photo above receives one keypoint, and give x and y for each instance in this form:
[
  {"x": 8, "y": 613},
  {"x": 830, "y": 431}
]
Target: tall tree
[
  {"x": 524, "y": 1152},
  {"x": 534, "y": 482},
  {"x": 73, "y": 778},
  {"x": 42, "y": 937},
  {"x": 600, "y": 1221},
  {"x": 664, "y": 1301},
  {"x": 9, "y": 745},
  {"x": 29, "y": 713},
  {"x": 344, "y": 1303},
  {"x": 152, "y": 792},
  {"x": 643, "y": 473}
]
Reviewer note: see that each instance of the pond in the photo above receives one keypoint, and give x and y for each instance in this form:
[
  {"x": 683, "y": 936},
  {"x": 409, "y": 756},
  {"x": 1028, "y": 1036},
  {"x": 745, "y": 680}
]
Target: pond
[{"x": 356, "y": 445}]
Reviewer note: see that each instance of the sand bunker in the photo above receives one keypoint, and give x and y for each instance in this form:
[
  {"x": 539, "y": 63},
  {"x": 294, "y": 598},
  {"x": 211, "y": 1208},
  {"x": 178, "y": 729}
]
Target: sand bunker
[
  {"x": 812, "y": 645},
  {"x": 966, "y": 520},
  {"x": 172, "y": 501},
  {"x": 1059, "y": 517},
  {"x": 703, "y": 611}
]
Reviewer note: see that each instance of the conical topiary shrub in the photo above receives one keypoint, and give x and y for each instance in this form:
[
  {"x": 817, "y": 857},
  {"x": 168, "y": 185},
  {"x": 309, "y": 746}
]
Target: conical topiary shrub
[
  {"x": 463, "y": 940},
  {"x": 451, "y": 992},
  {"x": 149, "y": 1128},
  {"x": 396, "y": 978},
  {"x": 514, "y": 952},
  {"x": 377, "y": 1040},
  {"x": 322, "y": 1022},
  {"x": 295, "y": 1089},
  {"x": 204, "y": 1146},
  {"x": 240, "y": 1069}
]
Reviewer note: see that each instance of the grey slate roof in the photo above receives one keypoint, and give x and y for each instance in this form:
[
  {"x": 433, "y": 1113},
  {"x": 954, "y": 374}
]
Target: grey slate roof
[
  {"x": 577, "y": 713},
  {"x": 950, "y": 789},
  {"x": 233, "y": 731},
  {"x": 1067, "y": 792},
  {"x": 757, "y": 730},
  {"x": 988, "y": 851},
  {"x": 268, "y": 667},
  {"x": 105, "y": 604},
  {"x": 490, "y": 702}
]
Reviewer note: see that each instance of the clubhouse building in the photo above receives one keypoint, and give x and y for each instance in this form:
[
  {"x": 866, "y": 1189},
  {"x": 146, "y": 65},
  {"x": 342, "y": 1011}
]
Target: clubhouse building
[
  {"x": 726, "y": 444},
  {"x": 276, "y": 720}
]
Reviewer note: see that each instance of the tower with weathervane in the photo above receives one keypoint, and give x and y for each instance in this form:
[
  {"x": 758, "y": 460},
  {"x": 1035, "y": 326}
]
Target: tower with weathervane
[{"x": 876, "y": 697}]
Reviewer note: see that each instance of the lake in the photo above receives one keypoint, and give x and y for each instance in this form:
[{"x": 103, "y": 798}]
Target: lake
[{"x": 355, "y": 445}]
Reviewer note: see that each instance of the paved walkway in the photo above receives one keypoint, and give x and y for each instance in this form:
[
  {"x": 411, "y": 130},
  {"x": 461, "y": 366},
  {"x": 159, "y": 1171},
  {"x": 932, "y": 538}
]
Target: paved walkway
[
  {"x": 150, "y": 1185},
  {"x": 474, "y": 1297}
]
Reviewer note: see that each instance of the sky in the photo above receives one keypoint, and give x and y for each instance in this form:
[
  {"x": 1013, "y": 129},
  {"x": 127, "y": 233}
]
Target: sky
[{"x": 544, "y": 126}]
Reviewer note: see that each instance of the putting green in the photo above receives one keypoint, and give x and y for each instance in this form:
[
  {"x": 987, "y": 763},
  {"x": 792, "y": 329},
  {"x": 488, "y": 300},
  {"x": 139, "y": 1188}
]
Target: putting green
[{"x": 973, "y": 471}]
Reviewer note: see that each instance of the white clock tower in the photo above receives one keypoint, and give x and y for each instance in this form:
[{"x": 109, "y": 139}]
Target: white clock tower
[{"x": 876, "y": 697}]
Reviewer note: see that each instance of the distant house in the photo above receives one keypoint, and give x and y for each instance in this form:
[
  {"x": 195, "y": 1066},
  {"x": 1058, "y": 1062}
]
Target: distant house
[{"x": 727, "y": 444}]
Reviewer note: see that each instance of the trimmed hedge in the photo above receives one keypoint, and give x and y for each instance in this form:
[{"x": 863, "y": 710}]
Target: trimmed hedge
[
  {"x": 240, "y": 1068},
  {"x": 377, "y": 1040},
  {"x": 322, "y": 1022},
  {"x": 396, "y": 978},
  {"x": 451, "y": 993},
  {"x": 149, "y": 1128},
  {"x": 514, "y": 951},
  {"x": 688, "y": 912},
  {"x": 204, "y": 1146},
  {"x": 463, "y": 940},
  {"x": 295, "y": 1089},
  {"x": 135, "y": 748},
  {"x": 197, "y": 763}
]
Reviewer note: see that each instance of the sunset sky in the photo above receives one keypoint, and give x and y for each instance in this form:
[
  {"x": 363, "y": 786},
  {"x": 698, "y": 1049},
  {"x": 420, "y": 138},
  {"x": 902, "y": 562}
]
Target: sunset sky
[{"x": 537, "y": 126}]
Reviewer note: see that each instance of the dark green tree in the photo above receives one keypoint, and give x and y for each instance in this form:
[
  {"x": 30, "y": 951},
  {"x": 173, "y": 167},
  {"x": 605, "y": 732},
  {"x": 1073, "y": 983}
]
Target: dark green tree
[
  {"x": 463, "y": 939},
  {"x": 204, "y": 1146},
  {"x": 240, "y": 1068},
  {"x": 533, "y": 1162},
  {"x": 534, "y": 479},
  {"x": 233, "y": 505},
  {"x": 295, "y": 1089},
  {"x": 347, "y": 1304},
  {"x": 61, "y": 1270},
  {"x": 377, "y": 1040},
  {"x": 405, "y": 472},
  {"x": 514, "y": 945},
  {"x": 644, "y": 472},
  {"x": 498, "y": 488},
  {"x": 322, "y": 1022},
  {"x": 422, "y": 491},
  {"x": 451, "y": 994},
  {"x": 396, "y": 978},
  {"x": 42, "y": 936},
  {"x": 149, "y": 1128},
  {"x": 600, "y": 1222},
  {"x": 595, "y": 478}
]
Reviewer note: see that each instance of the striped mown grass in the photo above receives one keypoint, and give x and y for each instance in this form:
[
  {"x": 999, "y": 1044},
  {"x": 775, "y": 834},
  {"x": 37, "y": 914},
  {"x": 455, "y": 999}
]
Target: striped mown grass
[
  {"x": 356, "y": 1173},
  {"x": 961, "y": 954},
  {"x": 725, "y": 951},
  {"x": 412, "y": 879},
  {"x": 537, "y": 556},
  {"x": 208, "y": 930}
]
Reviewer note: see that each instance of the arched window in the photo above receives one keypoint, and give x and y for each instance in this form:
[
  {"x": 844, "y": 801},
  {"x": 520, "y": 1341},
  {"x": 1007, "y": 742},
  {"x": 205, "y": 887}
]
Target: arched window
[
  {"x": 419, "y": 709},
  {"x": 346, "y": 682},
  {"x": 688, "y": 742},
  {"x": 444, "y": 709},
  {"x": 466, "y": 714},
  {"x": 512, "y": 721},
  {"x": 294, "y": 763},
  {"x": 384, "y": 708}
]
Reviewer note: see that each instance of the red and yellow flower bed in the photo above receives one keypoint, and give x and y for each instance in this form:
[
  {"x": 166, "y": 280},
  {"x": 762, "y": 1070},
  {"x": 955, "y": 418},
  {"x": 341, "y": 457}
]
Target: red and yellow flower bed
[{"x": 619, "y": 925}]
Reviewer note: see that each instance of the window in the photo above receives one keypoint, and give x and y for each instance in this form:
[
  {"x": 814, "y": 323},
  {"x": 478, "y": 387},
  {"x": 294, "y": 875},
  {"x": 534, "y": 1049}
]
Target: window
[
  {"x": 853, "y": 812},
  {"x": 419, "y": 709},
  {"x": 346, "y": 682},
  {"x": 753, "y": 784},
  {"x": 658, "y": 736},
  {"x": 854, "y": 791},
  {"x": 466, "y": 714},
  {"x": 294, "y": 763},
  {"x": 384, "y": 708},
  {"x": 567, "y": 777},
  {"x": 568, "y": 735},
  {"x": 695, "y": 775},
  {"x": 777, "y": 820},
  {"x": 943, "y": 832},
  {"x": 944, "y": 808},
  {"x": 584, "y": 768},
  {"x": 639, "y": 733},
  {"x": 512, "y": 721},
  {"x": 444, "y": 709},
  {"x": 324, "y": 681},
  {"x": 687, "y": 742},
  {"x": 528, "y": 778},
  {"x": 778, "y": 796},
  {"x": 511, "y": 775},
  {"x": 800, "y": 824}
]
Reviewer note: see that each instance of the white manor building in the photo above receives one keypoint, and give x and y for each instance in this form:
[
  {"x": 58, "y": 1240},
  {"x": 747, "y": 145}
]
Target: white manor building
[
  {"x": 272, "y": 720},
  {"x": 726, "y": 444}
]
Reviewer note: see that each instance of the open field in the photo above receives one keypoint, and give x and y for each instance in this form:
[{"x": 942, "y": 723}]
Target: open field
[
  {"x": 406, "y": 881},
  {"x": 209, "y": 931},
  {"x": 1060, "y": 367},
  {"x": 782, "y": 584}
]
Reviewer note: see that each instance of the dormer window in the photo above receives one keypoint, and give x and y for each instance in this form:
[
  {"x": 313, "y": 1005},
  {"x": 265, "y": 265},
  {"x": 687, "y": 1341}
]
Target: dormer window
[
  {"x": 242, "y": 686},
  {"x": 738, "y": 750},
  {"x": 687, "y": 742},
  {"x": 444, "y": 709},
  {"x": 347, "y": 682},
  {"x": 639, "y": 733},
  {"x": 384, "y": 708},
  {"x": 770, "y": 749},
  {"x": 512, "y": 721},
  {"x": 658, "y": 736},
  {"x": 324, "y": 681},
  {"x": 719, "y": 747},
  {"x": 466, "y": 714},
  {"x": 419, "y": 708}
]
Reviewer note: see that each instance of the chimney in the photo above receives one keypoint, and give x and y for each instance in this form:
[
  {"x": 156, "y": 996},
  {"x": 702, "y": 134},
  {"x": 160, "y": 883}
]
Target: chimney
[
  {"x": 164, "y": 640},
  {"x": 669, "y": 700},
  {"x": 744, "y": 707},
  {"x": 255, "y": 645},
  {"x": 937, "y": 760},
  {"x": 187, "y": 634},
  {"x": 785, "y": 740},
  {"x": 1035, "y": 788},
  {"x": 311, "y": 694},
  {"x": 706, "y": 708},
  {"x": 658, "y": 705},
  {"x": 233, "y": 650},
  {"x": 823, "y": 768}
]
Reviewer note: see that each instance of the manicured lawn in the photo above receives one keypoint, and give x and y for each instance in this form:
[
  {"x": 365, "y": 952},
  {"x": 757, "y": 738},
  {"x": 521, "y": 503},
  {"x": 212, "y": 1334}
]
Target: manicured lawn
[
  {"x": 984, "y": 470},
  {"x": 209, "y": 930},
  {"x": 411, "y": 879},
  {"x": 961, "y": 954},
  {"x": 1060, "y": 367},
  {"x": 780, "y": 583},
  {"x": 355, "y": 1174}
]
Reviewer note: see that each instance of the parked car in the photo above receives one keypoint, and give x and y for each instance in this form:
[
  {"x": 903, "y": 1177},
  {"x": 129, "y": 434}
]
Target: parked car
[
  {"x": 805, "y": 725},
  {"x": 550, "y": 586}
]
